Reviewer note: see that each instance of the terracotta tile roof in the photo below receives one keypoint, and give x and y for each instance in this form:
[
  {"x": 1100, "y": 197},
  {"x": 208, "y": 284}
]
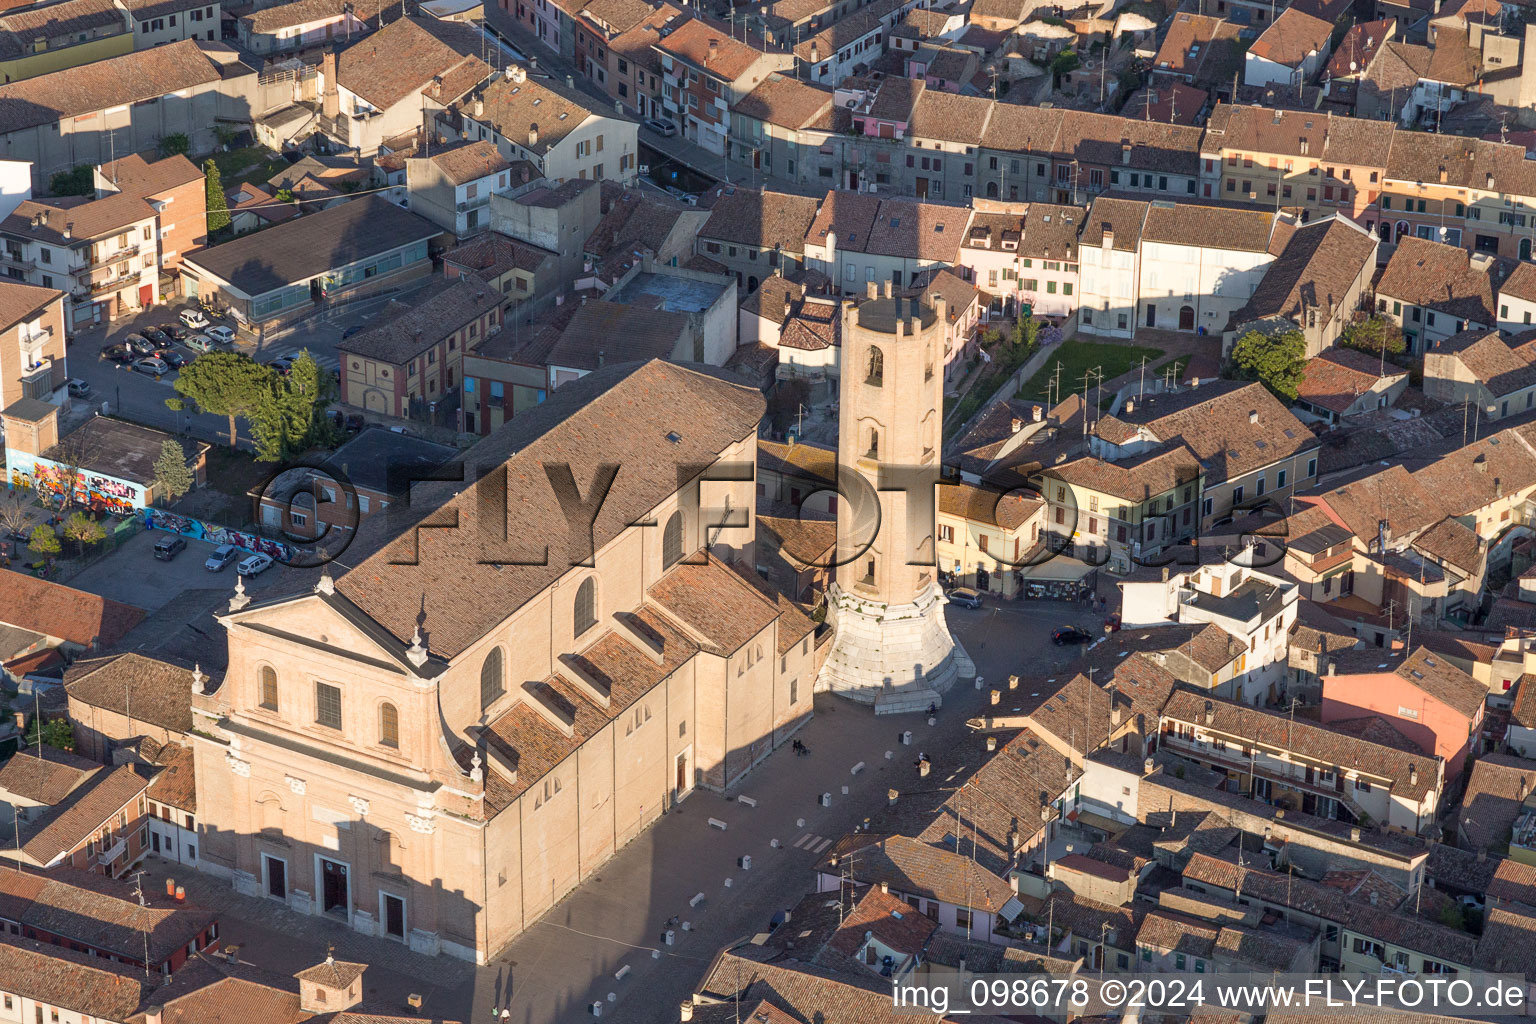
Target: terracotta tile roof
[
  {"x": 1179, "y": 933},
  {"x": 847, "y": 30},
  {"x": 101, "y": 912},
  {"x": 1359, "y": 46},
  {"x": 895, "y": 98},
  {"x": 1411, "y": 776},
  {"x": 533, "y": 746},
  {"x": 332, "y": 973},
  {"x": 773, "y": 298},
  {"x": 802, "y": 460},
  {"x": 1423, "y": 670},
  {"x": 1291, "y": 38},
  {"x": 804, "y": 990},
  {"x": 1476, "y": 475},
  {"x": 1168, "y": 101},
  {"x": 1136, "y": 479},
  {"x": 1497, "y": 787},
  {"x": 1102, "y": 139},
  {"x": 45, "y": 779},
  {"x": 1443, "y": 278},
  {"x": 56, "y": 610},
  {"x": 512, "y": 107},
  {"x": 1216, "y": 227},
  {"x": 932, "y": 872},
  {"x": 1316, "y": 269},
  {"x": 234, "y": 999},
  {"x": 1508, "y": 943},
  {"x": 1123, "y": 218},
  {"x": 693, "y": 40},
  {"x": 60, "y": 977},
  {"x": 787, "y": 102},
  {"x": 1044, "y": 231},
  {"x": 20, "y": 302},
  {"x": 84, "y": 221},
  {"x": 959, "y": 295},
  {"x": 1338, "y": 376},
  {"x": 141, "y": 75},
  {"x": 714, "y": 602},
  {"x": 154, "y": 691},
  {"x": 405, "y": 56},
  {"x": 470, "y": 161},
  {"x": 301, "y": 12},
  {"x": 617, "y": 15},
  {"x": 1233, "y": 431},
  {"x": 621, "y": 414},
  {"x": 893, "y": 923},
  {"x": 604, "y": 332},
  {"x": 1513, "y": 882},
  {"x": 1449, "y": 542},
  {"x": 950, "y": 117},
  {"x": 76, "y": 818},
  {"x": 1190, "y": 43},
  {"x": 1490, "y": 360},
  {"x": 410, "y": 328},
  {"x": 765, "y": 219},
  {"x": 175, "y": 785},
  {"x": 1465, "y": 163},
  {"x": 994, "y": 508},
  {"x": 1392, "y": 495},
  {"x": 492, "y": 254}
]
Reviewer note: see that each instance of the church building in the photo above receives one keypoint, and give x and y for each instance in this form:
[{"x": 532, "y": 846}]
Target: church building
[{"x": 509, "y": 676}]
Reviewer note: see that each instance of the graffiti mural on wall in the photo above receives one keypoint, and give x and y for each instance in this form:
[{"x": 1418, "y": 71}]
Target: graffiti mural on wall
[
  {"x": 213, "y": 533},
  {"x": 93, "y": 491}
]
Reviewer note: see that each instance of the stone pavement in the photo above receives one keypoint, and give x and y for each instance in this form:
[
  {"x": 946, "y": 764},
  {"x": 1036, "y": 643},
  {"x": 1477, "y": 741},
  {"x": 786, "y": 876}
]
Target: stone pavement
[
  {"x": 275, "y": 938},
  {"x": 555, "y": 970}
]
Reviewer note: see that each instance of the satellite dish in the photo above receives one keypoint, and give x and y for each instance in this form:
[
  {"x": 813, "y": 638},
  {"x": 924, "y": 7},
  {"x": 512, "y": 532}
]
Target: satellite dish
[{"x": 1353, "y": 66}]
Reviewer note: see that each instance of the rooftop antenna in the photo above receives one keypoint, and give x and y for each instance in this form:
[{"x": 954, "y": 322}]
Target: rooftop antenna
[{"x": 138, "y": 890}]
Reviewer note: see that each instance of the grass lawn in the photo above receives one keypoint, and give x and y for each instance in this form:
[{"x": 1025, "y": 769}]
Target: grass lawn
[
  {"x": 249, "y": 163},
  {"x": 1077, "y": 357}
]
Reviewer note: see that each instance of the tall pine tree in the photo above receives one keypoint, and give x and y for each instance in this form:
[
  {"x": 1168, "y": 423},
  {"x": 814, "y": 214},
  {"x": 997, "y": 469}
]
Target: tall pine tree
[{"x": 218, "y": 209}]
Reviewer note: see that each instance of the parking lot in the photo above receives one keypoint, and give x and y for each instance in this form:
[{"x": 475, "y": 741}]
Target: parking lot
[
  {"x": 132, "y": 574},
  {"x": 141, "y": 397}
]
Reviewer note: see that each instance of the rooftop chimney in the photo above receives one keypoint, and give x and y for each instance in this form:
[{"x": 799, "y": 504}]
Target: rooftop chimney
[
  {"x": 330, "y": 100},
  {"x": 1017, "y": 425},
  {"x": 1253, "y": 415},
  {"x": 1130, "y": 405},
  {"x": 533, "y": 133},
  {"x": 1037, "y": 412},
  {"x": 714, "y": 50},
  {"x": 479, "y": 107},
  {"x": 1210, "y": 712}
]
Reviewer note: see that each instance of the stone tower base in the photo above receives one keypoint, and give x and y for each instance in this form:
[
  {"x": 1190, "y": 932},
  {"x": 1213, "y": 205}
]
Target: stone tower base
[{"x": 891, "y": 656}]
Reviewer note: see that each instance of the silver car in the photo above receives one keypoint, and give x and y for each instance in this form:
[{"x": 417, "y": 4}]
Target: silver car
[{"x": 221, "y": 557}]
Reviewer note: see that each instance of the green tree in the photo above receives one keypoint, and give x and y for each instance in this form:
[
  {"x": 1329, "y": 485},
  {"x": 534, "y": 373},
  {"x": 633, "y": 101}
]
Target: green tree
[
  {"x": 1026, "y": 332},
  {"x": 1275, "y": 359},
  {"x": 224, "y": 384},
  {"x": 1066, "y": 61},
  {"x": 83, "y": 530},
  {"x": 292, "y": 416},
  {"x": 79, "y": 182},
  {"x": 218, "y": 209},
  {"x": 44, "y": 542},
  {"x": 57, "y": 733},
  {"x": 172, "y": 476},
  {"x": 176, "y": 144},
  {"x": 1373, "y": 334}
]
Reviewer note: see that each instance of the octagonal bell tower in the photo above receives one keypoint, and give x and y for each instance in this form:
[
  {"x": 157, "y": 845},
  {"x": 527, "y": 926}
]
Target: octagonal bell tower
[{"x": 892, "y": 647}]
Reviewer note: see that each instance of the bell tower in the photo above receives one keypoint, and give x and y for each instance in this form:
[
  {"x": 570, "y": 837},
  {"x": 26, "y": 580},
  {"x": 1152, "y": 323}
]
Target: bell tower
[{"x": 892, "y": 647}]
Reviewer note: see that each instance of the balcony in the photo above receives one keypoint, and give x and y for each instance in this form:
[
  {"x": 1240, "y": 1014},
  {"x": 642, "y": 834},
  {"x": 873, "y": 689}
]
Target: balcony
[
  {"x": 109, "y": 285},
  {"x": 39, "y": 381},
  {"x": 116, "y": 256},
  {"x": 473, "y": 204},
  {"x": 14, "y": 258},
  {"x": 113, "y": 852}
]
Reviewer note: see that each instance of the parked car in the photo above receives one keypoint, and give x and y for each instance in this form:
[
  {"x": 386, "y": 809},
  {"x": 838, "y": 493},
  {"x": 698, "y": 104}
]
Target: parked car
[
  {"x": 350, "y": 422},
  {"x": 222, "y": 556},
  {"x": 1061, "y": 636},
  {"x": 221, "y": 333},
  {"x": 352, "y": 330},
  {"x": 152, "y": 366},
  {"x": 167, "y": 548},
  {"x": 402, "y": 430},
  {"x": 193, "y": 318},
  {"x": 157, "y": 336},
  {"x": 171, "y": 356},
  {"x": 965, "y": 597},
  {"x": 200, "y": 343},
  {"x": 118, "y": 354},
  {"x": 173, "y": 331},
  {"x": 254, "y": 565},
  {"x": 79, "y": 388},
  {"x": 140, "y": 344},
  {"x": 282, "y": 364},
  {"x": 662, "y": 127}
]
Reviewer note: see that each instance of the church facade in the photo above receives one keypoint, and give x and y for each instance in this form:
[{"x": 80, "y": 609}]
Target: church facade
[{"x": 516, "y": 676}]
